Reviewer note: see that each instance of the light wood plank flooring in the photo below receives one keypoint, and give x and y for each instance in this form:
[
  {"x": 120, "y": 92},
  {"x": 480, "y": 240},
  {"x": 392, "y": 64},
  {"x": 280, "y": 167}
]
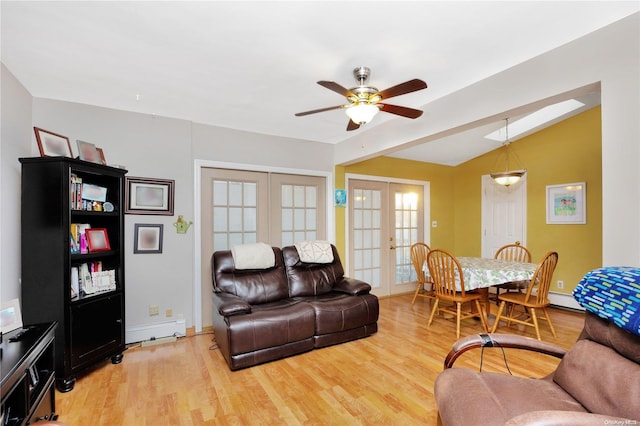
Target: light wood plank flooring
[{"x": 385, "y": 379}]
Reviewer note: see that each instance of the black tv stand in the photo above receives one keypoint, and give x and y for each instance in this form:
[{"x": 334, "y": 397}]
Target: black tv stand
[{"x": 27, "y": 367}]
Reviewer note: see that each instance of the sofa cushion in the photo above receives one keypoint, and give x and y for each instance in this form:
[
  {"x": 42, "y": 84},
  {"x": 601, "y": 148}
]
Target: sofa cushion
[
  {"x": 255, "y": 286},
  {"x": 601, "y": 379},
  {"x": 311, "y": 279},
  {"x": 270, "y": 325},
  {"x": 495, "y": 397},
  {"x": 336, "y": 312}
]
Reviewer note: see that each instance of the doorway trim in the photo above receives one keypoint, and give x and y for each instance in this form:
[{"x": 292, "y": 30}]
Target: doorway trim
[
  {"x": 197, "y": 221},
  {"x": 426, "y": 206}
]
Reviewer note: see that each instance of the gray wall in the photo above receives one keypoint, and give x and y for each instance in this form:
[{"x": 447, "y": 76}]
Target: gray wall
[
  {"x": 15, "y": 142},
  {"x": 159, "y": 147}
]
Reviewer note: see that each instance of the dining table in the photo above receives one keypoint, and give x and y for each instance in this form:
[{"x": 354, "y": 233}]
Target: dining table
[{"x": 481, "y": 273}]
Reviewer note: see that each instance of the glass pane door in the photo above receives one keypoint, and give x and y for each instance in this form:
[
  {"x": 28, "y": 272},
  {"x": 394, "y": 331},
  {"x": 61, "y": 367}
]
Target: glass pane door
[
  {"x": 367, "y": 229},
  {"x": 298, "y": 208},
  {"x": 385, "y": 219}
]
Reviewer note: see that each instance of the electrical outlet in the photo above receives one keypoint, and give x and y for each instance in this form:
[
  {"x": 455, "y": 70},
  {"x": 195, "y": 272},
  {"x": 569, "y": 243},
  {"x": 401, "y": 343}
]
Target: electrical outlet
[
  {"x": 560, "y": 284},
  {"x": 169, "y": 313},
  {"x": 154, "y": 310}
]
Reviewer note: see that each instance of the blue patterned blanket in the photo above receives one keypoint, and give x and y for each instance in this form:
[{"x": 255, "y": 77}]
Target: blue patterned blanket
[{"x": 612, "y": 293}]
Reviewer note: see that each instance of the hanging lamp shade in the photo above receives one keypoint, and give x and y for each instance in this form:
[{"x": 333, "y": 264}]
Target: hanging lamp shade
[{"x": 508, "y": 176}]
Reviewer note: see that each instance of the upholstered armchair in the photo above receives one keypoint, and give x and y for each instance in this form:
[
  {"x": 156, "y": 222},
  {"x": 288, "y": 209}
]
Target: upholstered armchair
[{"x": 597, "y": 381}]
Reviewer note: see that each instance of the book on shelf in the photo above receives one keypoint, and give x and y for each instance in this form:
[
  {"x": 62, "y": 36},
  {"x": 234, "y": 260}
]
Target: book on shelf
[
  {"x": 79, "y": 238},
  {"x": 86, "y": 196}
]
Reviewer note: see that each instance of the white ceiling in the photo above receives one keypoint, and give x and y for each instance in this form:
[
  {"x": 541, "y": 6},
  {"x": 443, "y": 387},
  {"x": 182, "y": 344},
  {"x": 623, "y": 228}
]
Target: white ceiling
[{"x": 252, "y": 65}]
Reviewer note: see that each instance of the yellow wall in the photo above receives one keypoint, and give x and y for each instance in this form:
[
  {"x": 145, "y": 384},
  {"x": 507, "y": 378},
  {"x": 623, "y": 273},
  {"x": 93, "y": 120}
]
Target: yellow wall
[
  {"x": 569, "y": 151},
  {"x": 441, "y": 181}
]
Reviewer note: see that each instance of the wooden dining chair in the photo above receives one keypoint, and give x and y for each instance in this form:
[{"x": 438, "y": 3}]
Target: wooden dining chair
[
  {"x": 513, "y": 253},
  {"x": 424, "y": 288},
  {"x": 540, "y": 282},
  {"x": 448, "y": 280}
]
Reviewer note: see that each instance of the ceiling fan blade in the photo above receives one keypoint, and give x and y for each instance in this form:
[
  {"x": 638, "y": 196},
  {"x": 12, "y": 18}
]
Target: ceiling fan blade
[
  {"x": 402, "y": 88},
  {"x": 400, "y": 110},
  {"x": 300, "y": 114},
  {"x": 332, "y": 85},
  {"x": 352, "y": 126}
]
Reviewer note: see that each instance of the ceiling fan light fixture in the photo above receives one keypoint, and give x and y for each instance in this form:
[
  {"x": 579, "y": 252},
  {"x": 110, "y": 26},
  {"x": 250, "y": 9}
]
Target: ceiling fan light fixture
[{"x": 362, "y": 113}]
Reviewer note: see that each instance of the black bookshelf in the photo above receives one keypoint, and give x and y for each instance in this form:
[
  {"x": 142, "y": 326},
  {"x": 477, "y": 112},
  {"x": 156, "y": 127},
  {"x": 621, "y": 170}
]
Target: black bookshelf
[{"x": 91, "y": 323}]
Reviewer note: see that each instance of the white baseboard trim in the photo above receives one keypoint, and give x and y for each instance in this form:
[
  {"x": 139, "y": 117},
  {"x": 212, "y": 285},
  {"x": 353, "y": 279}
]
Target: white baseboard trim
[
  {"x": 564, "y": 301},
  {"x": 156, "y": 331}
]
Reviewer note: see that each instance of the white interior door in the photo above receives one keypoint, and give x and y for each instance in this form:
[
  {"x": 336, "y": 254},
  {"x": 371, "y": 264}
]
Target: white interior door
[
  {"x": 385, "y": 219},
  {"x": 504, "y": 215}
]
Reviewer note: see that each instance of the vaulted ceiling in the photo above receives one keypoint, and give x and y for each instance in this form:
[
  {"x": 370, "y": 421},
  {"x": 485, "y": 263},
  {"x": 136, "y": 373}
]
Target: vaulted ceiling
[{"x": 252, "y": 65}]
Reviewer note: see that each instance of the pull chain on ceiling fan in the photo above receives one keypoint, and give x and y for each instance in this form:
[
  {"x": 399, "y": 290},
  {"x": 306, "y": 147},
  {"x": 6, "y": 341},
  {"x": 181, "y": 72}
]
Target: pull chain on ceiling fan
[{"x": 364, "y": 102}]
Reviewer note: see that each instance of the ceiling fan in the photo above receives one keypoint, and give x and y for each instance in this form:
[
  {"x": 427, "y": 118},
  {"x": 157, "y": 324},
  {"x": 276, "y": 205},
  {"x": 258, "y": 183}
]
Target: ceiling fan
[{"x": 366, "y": 101}]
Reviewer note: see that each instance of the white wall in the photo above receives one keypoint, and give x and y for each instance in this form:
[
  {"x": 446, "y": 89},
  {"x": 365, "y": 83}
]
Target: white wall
[
  {"x": 610, "y": 57},
  {"x": 227, "y": 145},
  {"x": 15, "y": 142}
]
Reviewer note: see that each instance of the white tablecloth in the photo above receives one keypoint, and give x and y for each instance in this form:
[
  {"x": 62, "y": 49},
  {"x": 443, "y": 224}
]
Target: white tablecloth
[{"x": 481, "y": 272}]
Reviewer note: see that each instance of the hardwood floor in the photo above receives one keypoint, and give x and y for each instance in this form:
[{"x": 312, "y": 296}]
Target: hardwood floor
[{"x": 384, "y": 379}]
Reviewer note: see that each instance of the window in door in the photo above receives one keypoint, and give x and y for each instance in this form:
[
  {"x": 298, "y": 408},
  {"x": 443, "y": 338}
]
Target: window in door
[
  {"x": 240, "y": 207},
  {"x": 385, "y": 219}
]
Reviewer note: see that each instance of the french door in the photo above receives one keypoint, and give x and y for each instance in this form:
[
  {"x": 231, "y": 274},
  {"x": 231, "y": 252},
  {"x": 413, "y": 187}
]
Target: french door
[
  {"x": 385, "y": 219},
  {"x": 241, "y": 207}
]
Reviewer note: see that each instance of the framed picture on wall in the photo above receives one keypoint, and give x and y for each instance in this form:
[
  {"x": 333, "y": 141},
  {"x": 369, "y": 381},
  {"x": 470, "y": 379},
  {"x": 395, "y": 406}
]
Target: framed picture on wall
[
  {"x": 149, "y": 196},
  {"x": 147, "y": 238},
  {"x": 567, "y": 203}
]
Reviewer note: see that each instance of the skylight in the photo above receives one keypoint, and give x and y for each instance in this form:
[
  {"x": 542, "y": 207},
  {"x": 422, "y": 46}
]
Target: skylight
[{"x": 535, "y": 119}]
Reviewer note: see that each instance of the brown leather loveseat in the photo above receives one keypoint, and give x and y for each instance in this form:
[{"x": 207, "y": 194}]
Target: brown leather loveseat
[{"x": 264, "y": 314}]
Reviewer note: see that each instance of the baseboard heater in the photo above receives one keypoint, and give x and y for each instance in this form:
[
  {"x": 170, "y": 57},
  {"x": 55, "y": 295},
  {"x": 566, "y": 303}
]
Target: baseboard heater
[
  {"x": 564, "y": 301},
  {"x": 159, "y": 330},
  {"x": 561, "y": 300}
]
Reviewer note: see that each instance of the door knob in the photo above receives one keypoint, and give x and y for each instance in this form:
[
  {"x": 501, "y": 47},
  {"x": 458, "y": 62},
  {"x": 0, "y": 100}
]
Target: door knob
[{"x": 392, "y": 247}]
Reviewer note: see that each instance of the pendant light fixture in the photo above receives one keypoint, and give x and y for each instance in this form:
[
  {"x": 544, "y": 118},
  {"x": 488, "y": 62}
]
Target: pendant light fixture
[{"x": 507, "y": 177}]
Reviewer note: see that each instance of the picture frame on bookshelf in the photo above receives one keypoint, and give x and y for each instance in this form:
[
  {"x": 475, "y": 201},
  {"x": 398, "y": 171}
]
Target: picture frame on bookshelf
[
  {"x": 97, "y": 239},
  {"x": 103, "y": 160},
  {"x": 88, "y": 152},
  {"x": 149, "y": 196},
  {"x": 147, "y": 238},
  {"x": 94, "y": 192},
  {"x": 52, "y": 144}
]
